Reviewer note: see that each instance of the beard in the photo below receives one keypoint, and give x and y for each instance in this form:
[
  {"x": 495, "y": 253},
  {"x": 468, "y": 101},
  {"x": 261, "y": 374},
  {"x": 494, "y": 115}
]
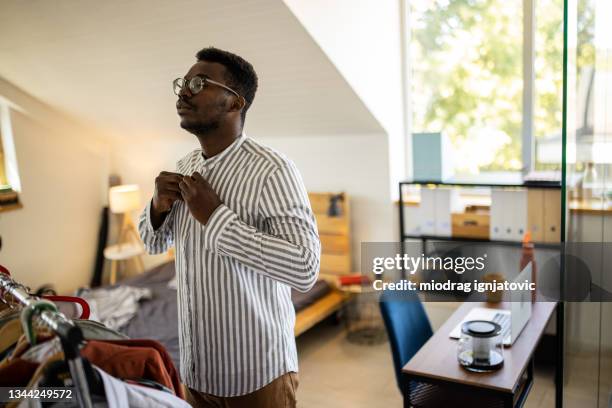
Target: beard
[{"x": 199, "y": 128}]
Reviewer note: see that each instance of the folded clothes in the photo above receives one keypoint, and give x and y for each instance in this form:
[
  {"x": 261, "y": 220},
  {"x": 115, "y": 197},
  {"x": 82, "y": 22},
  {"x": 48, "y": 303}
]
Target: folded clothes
[{"x": 114, "y": 307}]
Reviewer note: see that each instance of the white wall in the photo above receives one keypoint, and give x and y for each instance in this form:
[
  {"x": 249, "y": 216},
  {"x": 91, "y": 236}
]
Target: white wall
[
  {"x": 363, "y": 40},
  {"x": 357, "y": 165},
  {"x": 63, "y": 167},
  {"x": 139, "y": 163}
]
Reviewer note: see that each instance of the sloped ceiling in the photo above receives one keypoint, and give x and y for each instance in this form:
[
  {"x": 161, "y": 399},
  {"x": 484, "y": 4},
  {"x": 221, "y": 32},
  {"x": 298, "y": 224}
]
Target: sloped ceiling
[{"x": 111, "y": 63}]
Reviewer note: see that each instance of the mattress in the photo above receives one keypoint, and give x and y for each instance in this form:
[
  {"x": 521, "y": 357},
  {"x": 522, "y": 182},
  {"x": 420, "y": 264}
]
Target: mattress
[
  {"x": 162, "y": 307},
  {"x": 302, "y": 300}
]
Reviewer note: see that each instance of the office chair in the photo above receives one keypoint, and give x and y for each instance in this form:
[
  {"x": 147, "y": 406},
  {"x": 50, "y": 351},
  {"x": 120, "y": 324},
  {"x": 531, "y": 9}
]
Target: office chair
[{"x": 408, "y": 329}]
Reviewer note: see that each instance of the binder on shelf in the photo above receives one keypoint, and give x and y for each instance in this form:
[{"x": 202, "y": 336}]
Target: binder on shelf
[
  {"x": 507, "y": 219},
  {"x": 446, "y": 204},
  {"x": 497, "y": 214},
  {"x": 428, "y": 211},
  {"x": 516, "y": 214},
  {"x": 552, "y": 215},
  {"x": 412, "y": 219},
  {"x": 535, "y": 213},
  {"x": 508, "y": 214}
]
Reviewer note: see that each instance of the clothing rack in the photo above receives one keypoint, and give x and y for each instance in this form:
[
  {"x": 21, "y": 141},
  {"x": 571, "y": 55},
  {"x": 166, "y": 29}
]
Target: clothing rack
[{"x": 70, "y": 335}]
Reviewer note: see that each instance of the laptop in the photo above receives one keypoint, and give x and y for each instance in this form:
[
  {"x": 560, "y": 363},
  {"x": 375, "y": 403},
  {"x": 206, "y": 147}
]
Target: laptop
[{"x": 511, "y": 321}]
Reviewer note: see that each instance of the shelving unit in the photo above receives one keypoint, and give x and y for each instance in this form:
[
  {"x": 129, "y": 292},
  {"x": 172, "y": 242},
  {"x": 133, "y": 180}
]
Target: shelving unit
[{"x": 404, "y": 235}]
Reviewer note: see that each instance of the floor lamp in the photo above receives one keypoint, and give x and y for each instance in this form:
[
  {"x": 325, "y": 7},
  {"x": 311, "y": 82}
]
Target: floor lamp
[{"x": 124, "y": 200}]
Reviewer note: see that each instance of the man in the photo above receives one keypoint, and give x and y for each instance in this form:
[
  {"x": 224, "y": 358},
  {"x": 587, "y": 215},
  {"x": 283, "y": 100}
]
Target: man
[{"x": 239, "y": 218}]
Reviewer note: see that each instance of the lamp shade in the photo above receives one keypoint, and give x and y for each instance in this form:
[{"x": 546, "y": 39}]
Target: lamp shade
[{"x": 124, "y": 199}]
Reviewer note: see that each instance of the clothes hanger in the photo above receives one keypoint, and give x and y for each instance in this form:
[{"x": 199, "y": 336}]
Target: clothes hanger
[
  {"x": 85, "y": 309},
  {"x": 70, "y": 335},
  {"x": 28, "y": 312},
  {"x": 4, "y": 270}
]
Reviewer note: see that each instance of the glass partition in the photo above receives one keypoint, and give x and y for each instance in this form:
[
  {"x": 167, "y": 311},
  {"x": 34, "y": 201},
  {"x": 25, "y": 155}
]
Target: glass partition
[{"x": 587, "y": 153}]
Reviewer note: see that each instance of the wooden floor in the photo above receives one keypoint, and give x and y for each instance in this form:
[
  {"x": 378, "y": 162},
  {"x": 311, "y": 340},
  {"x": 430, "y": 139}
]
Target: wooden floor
[
  {"x": 337, "y": 374},
  {"x": 589, "y": 380}
]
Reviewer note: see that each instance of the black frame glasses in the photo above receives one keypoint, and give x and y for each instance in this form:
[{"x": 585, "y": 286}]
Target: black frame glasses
[{"x": 196, "y": 84}]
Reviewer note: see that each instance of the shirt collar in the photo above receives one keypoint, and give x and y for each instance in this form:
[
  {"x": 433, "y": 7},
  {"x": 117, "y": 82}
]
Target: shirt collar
[{"x": 209, "y": 163}]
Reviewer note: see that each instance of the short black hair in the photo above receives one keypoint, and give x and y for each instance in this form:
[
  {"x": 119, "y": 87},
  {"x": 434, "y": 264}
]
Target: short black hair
[{"x": 241, "y": 74}]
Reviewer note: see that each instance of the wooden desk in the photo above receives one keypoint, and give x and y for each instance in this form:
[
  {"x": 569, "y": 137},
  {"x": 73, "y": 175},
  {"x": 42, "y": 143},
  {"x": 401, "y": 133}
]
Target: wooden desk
[{"x": 436, "y": 362}]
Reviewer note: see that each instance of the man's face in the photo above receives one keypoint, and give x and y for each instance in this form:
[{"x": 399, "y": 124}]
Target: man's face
[{"x": 204, "y": 111}]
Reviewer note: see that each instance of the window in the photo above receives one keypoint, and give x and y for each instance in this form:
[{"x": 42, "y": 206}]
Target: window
[
  {"x": 548, "y": 84},
  {"x": 487, "y": 74},
  {"x": 10, "y": 185},
  {"x": 3, "y": 180},
  {"x": 549, "y": 81}
]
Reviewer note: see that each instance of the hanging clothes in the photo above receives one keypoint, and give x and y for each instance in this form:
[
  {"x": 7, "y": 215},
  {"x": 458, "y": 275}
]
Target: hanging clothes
[
  {"x": 120, "y": 394},
  {"x": 93, "y": 330},
  {"x": 132, "y": 361},
  {"x": 9, "y": 334},
  {"x": 17, "y": 373},
  {"x": 6, "y": 315},
  {"x": 108, "y": 359},
  {"x": 165, "y": 356}
]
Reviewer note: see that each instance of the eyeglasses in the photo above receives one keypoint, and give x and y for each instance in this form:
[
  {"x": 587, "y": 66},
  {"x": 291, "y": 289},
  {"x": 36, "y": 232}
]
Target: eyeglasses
[{"x": 196, "y": 84}]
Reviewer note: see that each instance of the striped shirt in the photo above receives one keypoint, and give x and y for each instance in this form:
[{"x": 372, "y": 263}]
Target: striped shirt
[{"x": 235, "y": 274}]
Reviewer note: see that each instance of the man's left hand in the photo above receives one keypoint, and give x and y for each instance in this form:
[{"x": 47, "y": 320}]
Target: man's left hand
[{"x": 199, "y": 196}]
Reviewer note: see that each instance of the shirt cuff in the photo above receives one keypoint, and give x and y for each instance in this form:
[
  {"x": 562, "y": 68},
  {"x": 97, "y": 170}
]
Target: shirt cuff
[
  {"x": 149, "y": 224},
  {"x": 218, "y": 222}
]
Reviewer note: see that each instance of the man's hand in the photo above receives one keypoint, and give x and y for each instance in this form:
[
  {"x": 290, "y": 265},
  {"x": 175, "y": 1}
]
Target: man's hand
[
  {"x": 199, "y": 196},
  {"x": 167, "y": 191}
]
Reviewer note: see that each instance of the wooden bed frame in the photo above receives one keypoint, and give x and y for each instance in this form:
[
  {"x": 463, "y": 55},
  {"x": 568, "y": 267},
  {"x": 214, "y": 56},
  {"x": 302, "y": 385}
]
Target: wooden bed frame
[{"x": 335, "y": 258}]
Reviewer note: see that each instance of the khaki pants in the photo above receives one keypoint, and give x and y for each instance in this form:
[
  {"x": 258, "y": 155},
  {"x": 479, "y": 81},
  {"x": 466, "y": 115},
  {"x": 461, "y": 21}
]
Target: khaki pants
[{"x": 280, "y": 393}]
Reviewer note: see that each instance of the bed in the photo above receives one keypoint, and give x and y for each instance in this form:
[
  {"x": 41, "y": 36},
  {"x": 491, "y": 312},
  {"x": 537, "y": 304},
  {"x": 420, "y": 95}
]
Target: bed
[{"x": 311, "y": 307}]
